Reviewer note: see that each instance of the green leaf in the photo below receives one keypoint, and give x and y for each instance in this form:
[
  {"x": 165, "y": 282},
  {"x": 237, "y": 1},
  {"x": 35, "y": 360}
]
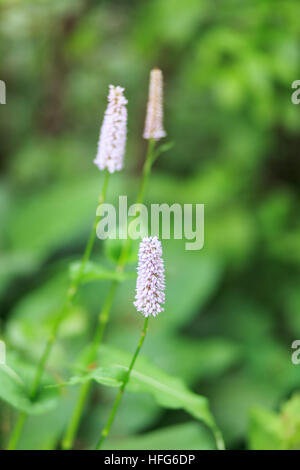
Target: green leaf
[
  {"x": 56, "y": 215},
  {"x": 15, "y": 380},
  {"x": 163, "y": 148},
  {"x": 195, "y": 359},
  {"x": 113, "y": 250},
  {"x": 271, "y": 431},
  {"x": 137, "y": 413},
  {"x": 187, "y": 436},
  {"x": 167, "y": 391},
  {"x": 13, "y": 264},
  {"x": 265, "y": 430},
  {"x": 32, "y": 318},
  {"x": 110, "y": 376},
  {"x": 43, "y": 431},
  {"x": 192, "y": 279},
  {"x": 95, "y": 272},
  {"x": 290, "y": 416}
]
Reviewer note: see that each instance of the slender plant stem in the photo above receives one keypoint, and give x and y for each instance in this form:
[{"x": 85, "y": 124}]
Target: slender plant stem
[
  {"x": 14, "y": 438},
  {"x": 104, "y": 315},
  {"x": 72, "y": 291},
  {"x": 219, "y": 439},
  {"x": 111, "y": 417}
]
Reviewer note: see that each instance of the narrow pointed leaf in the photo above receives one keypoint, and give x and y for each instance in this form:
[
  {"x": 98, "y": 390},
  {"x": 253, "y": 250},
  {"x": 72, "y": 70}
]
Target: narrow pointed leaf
[
  {"x": 167, "y": 391},
  {"x": 15, "y": 386},
  {"x": 94, "y": 272}
]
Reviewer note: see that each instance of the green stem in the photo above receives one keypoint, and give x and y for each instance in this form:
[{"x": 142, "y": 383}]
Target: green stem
[
  {"x": 72, "y": 291},
  {"x": 219, "y": 439},
  {"x": 70, "y": 434},
  {"x": 71, "y": 431},
  {"x": 146, "y": 171},
  {"x": 15, "y": 435},
  {"x": 111, "y": 417},
  {"x": 139, "y": 200}
]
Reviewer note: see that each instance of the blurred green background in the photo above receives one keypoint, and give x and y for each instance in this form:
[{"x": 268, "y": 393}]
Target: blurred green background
[{"x": 233, "y": 308}]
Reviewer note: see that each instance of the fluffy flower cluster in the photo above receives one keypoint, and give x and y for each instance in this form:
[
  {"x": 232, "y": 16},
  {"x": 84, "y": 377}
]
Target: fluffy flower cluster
[
  {"x": 154, "y": 118},
  {"x": 150, "y": 283},
  {"x": 112, "y": 141}
]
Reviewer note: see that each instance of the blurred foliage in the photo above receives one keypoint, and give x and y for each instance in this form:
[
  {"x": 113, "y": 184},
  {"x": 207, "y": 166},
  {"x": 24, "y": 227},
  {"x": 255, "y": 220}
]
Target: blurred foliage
[
  {"x": 269, "y": 430},
  {"x": 232, "y": 308}
]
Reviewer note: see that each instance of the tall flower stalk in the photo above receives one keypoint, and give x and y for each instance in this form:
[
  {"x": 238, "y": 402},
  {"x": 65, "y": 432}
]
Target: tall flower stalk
[
  {"x": 149, "y": 299},
  {"x": 115, "y": 407},
  {"x": 104, "y": 314},
  {"x": 152, "y": 133},
  {"x": 110, "y": 156}
]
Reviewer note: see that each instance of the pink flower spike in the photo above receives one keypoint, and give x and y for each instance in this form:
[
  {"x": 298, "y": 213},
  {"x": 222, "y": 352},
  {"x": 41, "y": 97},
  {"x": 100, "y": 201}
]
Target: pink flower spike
[
  {"x": 112, "y": 141},
  {"x": 150, "y": 283}
]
